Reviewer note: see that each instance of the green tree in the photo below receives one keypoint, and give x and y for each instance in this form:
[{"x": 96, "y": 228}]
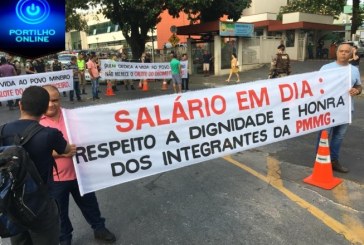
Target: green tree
[
  {"x": 324, "y": 7},
  {"x": 209, "y": 10},
  {"x": 137, "y": 17},
  {"x": 74, "y": 20}
]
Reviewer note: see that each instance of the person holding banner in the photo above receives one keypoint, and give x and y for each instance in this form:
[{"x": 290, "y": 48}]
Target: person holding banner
[
  {"x": 76, "y": 83},
  {"x": 127, "y": 82},
  {"x": 176, "y": 74},
  {"x": 65, "y": 182},
  {"x": 337, "y": 133},
  {"x": 95, "y": 76},
  {"x": 185, "y": 81},
  {"x": 34, "y": 102}
]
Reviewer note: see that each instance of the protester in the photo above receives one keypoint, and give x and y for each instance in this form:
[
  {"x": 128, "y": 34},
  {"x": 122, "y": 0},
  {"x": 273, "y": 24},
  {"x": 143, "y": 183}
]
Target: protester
[
  {"x": 76, "y": 83},
  {"x": 16, "y": 64},
  {"x": 94, "y": 74},
  {"x": 143, "y": 59},
  {"x": 114, "y": 81},
  {"x": 39, "y": 66},
  {"x": 7, "y": 70},
  {"x": 33, "y": 105},
  {"x": 234, "y": 68},
  {"x": 127, "y": 82},
  {"x": 337, "y": 133},
  {"x": 186, "y": 80},
  {"x": 176, "y": 73},
  {"x": 57, "y": 66},
  {"x": 29, "y": 67},
  {"x": 281, "y": 64},
  {"x": 65, "y": 182}
]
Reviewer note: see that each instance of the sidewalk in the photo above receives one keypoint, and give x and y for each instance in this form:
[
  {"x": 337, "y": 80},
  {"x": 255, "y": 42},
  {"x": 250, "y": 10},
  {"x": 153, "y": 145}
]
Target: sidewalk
[{"x": 261, "y": 73}]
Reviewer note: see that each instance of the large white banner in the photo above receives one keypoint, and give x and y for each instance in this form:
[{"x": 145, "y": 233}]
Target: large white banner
[
  {"x": 13, "y": 87},
  {"x": 129, "y": 140},
  {"x": 111, "y": 69}
]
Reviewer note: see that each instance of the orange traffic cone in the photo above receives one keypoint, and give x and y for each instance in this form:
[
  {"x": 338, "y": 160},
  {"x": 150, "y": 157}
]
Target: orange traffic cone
[
  {"x": 140, "y": 84},
  {"x": 322, "y": 175},
  {"x": 164, "y": 85},
  {"x": 145, "y": 85},
  {"x": 109, "y": 91}
]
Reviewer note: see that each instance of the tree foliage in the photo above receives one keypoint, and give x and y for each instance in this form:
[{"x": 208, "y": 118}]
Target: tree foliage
[
  {"x": 137, "y": 17},
  {"x": 210, "y": 10},
  {"x": 74, "y": 20},
  {"x": 324, "y": 7}
]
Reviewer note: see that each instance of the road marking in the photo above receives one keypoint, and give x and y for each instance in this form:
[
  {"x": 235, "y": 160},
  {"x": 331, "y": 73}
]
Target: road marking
[
  {"x": 341, "y": 194},
  {"x": 318, "y": 213}
]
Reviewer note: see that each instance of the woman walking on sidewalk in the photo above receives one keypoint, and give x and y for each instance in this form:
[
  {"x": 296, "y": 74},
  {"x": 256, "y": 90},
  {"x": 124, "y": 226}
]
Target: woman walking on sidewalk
[{"x": 234, "y": 68}]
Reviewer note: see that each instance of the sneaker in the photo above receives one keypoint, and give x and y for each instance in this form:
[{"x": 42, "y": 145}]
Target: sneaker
[
  {"x": 336, "y": 166},
  {"x": 104, "y": 235}
]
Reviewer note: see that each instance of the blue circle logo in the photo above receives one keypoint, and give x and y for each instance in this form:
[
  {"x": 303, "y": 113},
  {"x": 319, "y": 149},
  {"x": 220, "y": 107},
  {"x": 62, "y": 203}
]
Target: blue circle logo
[{"x": 32, "y": 11}]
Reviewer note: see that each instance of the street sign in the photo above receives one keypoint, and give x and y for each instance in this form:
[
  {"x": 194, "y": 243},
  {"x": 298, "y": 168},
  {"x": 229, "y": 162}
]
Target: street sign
[{"x": 174, "y": 39}]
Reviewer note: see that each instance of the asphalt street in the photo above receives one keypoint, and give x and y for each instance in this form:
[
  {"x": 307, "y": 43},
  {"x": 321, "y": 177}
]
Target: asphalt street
[{"x": 252, "y": 197}]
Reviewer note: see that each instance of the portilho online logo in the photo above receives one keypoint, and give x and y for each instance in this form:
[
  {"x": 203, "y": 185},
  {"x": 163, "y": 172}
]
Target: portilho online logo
[{"x": 32, "y": 11}]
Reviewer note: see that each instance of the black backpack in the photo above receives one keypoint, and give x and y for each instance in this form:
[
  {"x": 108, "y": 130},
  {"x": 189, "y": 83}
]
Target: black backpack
[{"x": 23, "y": 193}]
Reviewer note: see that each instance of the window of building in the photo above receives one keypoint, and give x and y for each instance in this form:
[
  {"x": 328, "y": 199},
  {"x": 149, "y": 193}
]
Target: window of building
[{"x": 290, "y": 38}]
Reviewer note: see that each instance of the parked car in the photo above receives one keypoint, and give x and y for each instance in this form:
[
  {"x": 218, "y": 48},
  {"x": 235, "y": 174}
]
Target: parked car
[{"x": 65, "y": 59}]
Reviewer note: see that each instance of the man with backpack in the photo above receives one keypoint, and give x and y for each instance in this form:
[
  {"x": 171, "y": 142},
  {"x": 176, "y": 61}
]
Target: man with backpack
[
  {"x": 44, "y": 228},
  {"x": 65, "y": 182}
]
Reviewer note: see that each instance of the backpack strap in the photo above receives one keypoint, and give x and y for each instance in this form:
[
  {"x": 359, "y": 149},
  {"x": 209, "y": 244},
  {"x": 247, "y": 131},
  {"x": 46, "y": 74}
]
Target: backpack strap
[{"x": 29, "y": 132}]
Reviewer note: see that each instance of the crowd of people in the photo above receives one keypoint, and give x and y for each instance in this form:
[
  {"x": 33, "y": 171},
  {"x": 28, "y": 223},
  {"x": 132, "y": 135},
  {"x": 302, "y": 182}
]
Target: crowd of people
[{"x": 50, "y": 146}]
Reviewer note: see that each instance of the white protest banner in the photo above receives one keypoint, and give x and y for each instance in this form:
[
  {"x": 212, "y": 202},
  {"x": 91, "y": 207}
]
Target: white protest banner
[
  {"x": 13, "y": 87},
  {"x": 111, "y": 69},
  {"x": 129, "y": 140}
]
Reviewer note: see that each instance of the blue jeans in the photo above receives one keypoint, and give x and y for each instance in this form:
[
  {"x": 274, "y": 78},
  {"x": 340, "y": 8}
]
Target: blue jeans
[
  {"x": 88, "y": 205},
  {"x": 336, "y": 136},
  {"x": 76, "y": 88},
  {"x": 95, "y": 87}
]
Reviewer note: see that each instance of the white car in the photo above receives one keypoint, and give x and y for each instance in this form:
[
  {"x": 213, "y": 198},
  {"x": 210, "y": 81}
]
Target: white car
[{"x": 65, "y": 59}]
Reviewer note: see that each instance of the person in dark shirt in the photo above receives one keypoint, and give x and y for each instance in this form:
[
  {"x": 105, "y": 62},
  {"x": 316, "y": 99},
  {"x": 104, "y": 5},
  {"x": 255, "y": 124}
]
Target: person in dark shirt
[
  {"x": 56, "y": 65},
  {"x": 281, "y": 64},
  {"x": 39, "y": 66},
  {"x": 33, "y": 104},
  {"x": 206, "y": 59}
]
